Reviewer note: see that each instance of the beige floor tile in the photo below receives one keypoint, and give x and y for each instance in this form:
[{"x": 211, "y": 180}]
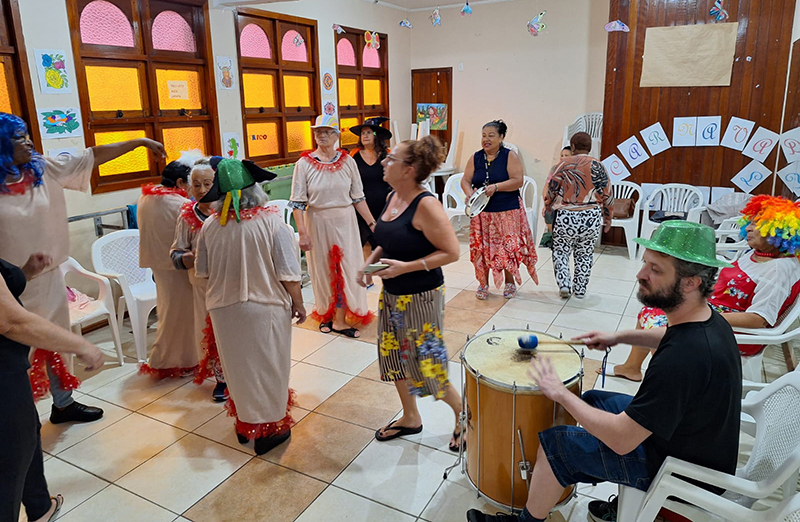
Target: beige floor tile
[
  {"x": 544, "y": 293},
  {"x": 601, "y": 491},
  {"x": 564, "y": 332},
  {"x": 259, "y": 491},
  {"x": 467, "y": 301},
  {"x": 44, "y": 406},
  {"x": 453, "y": 499},
  {"x": 184, "y": 473},
  {"x": 463, "y": 265},
  {"x": 186, "y": 408},
  {"x": 321, "y": 446},
  {"x": 600, "y": 303},
  {"x": 314, "y": 384},
  {"x": 114, "y": 504},
  {"x": 74, "y": 484},
  {"x": 627, "y": 323},
  {"x": 501, "y": 322},
  {"x": 372, "y": 372},
  {"x": 369, "y": 333},
  {"x": 459, "y": 280},
  {"x": 464, "y": 321},
  {"x": 455, "y": 342},
  {"x": 587, "y": 319},
  {"x": 398, "y": 473},
  {"x": 364, "y": 402},
  {"x": 604, "y": 285},
  {"x": 344, "y": 355},
  {"x": 633, "y": 307},
  {"x": 122, "y": 446},
  {"x": 58, "y": 437},
  {"x": 111, "y": 371},
  {"x": 134, "y": 391},
  {"x": 451, "y": 294},
  {"x": 529, "y": 310},
  {"x": 306, "y": 342},
  {"x": 220, "y": 429},
  {"x": 338, "y": 504}
]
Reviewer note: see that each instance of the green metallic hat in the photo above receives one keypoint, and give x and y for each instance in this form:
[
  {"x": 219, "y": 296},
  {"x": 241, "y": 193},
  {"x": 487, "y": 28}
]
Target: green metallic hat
[
  {"x": 233, "y": 176},
  {"x": 687, "y": 241}
]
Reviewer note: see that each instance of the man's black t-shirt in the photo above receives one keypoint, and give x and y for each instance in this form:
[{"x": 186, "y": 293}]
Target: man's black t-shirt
[{"x": 691, "y": 397}]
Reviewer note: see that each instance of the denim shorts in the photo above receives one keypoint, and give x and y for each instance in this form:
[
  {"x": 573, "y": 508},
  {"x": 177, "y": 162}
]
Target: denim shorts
[{"x": 575, "y": 455}]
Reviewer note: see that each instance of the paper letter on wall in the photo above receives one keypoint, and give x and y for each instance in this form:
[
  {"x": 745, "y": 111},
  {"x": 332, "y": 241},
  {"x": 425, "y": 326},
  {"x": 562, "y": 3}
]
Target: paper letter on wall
[
  {"x": 761, "y": 144},
  {"x": 790, "y": 175},
  {"x": 790, "y": 143},
  {"x": 709, "y": 129},
  {"x": 684, "y": 132},
  {"x": 751, "y": 176},
  {"x": 615, "y": 168},
  {"x": 633, "y": 152},
  {"x": 655, "y": 138},
  {"x": 737, "y": 133}
]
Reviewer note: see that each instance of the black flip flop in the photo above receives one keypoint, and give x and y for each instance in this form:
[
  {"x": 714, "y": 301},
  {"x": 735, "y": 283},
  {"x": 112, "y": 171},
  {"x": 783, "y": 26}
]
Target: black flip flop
[
  {"x": 459, "y": 442},
  {"x": 399, "y": 432},
  {"x": 349, "y": 332},
  {"x": 328, "y": 325}
]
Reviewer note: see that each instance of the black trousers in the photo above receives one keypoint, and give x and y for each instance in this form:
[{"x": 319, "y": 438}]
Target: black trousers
[{"x": 21, "y": 464}]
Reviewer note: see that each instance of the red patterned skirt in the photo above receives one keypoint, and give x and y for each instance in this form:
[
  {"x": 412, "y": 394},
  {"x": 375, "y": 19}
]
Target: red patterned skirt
[{"x": 502, "y": 241}]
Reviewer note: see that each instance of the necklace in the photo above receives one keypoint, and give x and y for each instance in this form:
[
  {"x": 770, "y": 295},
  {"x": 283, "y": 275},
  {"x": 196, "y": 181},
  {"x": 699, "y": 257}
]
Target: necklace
[{"x": 772, "y": 254}]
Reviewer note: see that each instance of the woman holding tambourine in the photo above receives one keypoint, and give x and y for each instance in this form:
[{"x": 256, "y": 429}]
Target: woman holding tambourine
[{"x": 500, "y": 239}]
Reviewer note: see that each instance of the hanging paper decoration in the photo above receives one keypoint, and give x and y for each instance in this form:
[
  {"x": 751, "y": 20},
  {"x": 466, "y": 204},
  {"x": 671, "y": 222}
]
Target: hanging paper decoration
[
  {"x": 435, "y": 18},
  {"x": 718, "y": 12},
  {"x": 536, "y": 25},
  {"x": 617, "y": 25},
  {"x": 298, "y": 40},
  {"x": 338, "y": 28},
  {"x": 466, "y": 10},
  {"x": 405, "y": 22},
  {"x": 373, "y": 40}
]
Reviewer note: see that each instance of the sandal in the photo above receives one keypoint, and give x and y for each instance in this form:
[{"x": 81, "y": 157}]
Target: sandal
[
  {"x": 510, "y": 291},
  {"x": 59, "y": 504},
  {"x": 482, "y": 293},
  {"x": 326, "y": 327},
  {"x": 349, "y": 332},
  {"x": 460, "y": 441},
  {"x": 399, "y": 432}
]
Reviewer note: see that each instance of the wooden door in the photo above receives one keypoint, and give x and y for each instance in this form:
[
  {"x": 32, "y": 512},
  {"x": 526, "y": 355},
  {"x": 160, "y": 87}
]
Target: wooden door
[{"x": 433, "y": 86}]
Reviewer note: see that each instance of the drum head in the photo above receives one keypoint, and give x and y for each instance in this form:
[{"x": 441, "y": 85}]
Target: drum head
[
  {"x": 496, "y": 356},
  {"x": 477, "y": 202}
]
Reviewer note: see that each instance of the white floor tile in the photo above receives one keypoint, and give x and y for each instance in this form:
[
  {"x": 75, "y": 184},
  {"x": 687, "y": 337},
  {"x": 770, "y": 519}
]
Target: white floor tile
[
  {"x": 74, "y": 484},
  {"x": 344, "y": 355},
  {"x": 459, "y": 280},
  {"x": 58, "y": 437},
  {"x": 186, "y": 408},
  {"x": 114, "y": 504},
  {"x": 529, "y": 310},
  {"x": 586, "y": 319},
  {"x": 600, "y": 303},
  {"x": 314, "y": 384},
  {"x": 453, "y": 499},
  {"x": 305, "y": 342},
  {"x": 337, "y": 504},
  {"x": 134, "y": 391},
  {"x": 500, "y": 322},
  {"x": 604, "y": 285},
  {"x": 111, "y": 372}
]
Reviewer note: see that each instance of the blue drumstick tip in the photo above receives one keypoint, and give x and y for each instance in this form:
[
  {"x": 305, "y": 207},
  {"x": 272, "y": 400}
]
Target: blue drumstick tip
[{"x": 528, "y": 342}]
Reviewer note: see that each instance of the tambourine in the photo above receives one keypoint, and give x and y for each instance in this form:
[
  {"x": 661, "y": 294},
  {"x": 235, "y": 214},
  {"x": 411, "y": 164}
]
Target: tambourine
[{"x": 477, "y": 202}]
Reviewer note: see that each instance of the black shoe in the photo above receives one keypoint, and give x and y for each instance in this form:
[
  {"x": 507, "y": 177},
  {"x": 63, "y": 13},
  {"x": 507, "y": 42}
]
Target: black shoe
[
  {"x": 600, "y": 511},
  {"x": 242, "y": 439},
  {"x": 264, "y": 444},
  {"x": 220, "y": 392},
  {"x": 75, "y": 412},
  {"x": 473, "y": 515}
]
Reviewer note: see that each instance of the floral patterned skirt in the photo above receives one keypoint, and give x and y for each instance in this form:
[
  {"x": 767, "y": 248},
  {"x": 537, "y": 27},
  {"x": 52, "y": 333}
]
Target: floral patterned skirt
[
  {"x": 410, "y": 344},
  {"x": 501, "y": 241}
]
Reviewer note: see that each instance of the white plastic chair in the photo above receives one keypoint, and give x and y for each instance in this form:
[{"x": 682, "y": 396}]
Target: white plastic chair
[
  {"x": 629, "y": 190},
  {"x": 530, "y": 200},
  {"x": 448, "y": 167},
  {"x": 413, "y": 131},
  {"x": 396, "y": 133},
  {"x": 513, "y": 148},
  {"x": 286, "y": 212},
  {"x": 454, "y": 199},
  {"x": 98, "y": 308},
  {"x": 730, "y": 251},
  {"x": 773, "y": 464},
  {"x": 675, "y": 197},
  {"x": 592, "y": 123},
  {"x": 116, "y": 256},
  {"x": 779, "y": 335}
]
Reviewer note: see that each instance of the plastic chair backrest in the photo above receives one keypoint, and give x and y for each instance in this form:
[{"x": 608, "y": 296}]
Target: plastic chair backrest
[
  {"x": 283, "y": 206},
  {"x": 511, "y": 147},
  {"x": 452, "y": 191},
  {"x": 594, "y": 124},
  {"x": 530, "y": 193},
  {"x": 627, "y": 190},
  {"x": 677, "y": 197},
  {"x": 118, "y": 253}
]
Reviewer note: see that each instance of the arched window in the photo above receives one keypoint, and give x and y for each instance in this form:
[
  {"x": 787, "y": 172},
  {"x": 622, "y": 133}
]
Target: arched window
[
  {"x": 171, "y": 32},
  {"x": 293, "y": 47},
  {"x": 345, "y": 54},
  {"x": 103, "y": 23},
  {"x": 371, "y": 58},
  {"x": 254, "y": 43}
]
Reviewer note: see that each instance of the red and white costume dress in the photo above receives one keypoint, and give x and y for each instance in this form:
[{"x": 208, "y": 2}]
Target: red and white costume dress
[
  {"x": 34, "y": 219},
  {"x": 251, "y": 312},
  {"x": 766, "y": 288},
  {"x": 175, "y": 352}
]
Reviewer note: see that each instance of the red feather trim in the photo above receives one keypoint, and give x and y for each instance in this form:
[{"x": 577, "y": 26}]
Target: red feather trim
[
  {"x": 190, "y": 216},
  {"x": 251, "y": 213},
  {"x": 267, "y": 429},
  {"x": 328, "y": 167},
  {"x": 21, "y": 187},
  {"x": 210, "y": 354},
  {"x": 38, "y": 374},
  {"x": 337, "y": 289},
  {"x": 166, "y": 373},
  {"x": 151, "y": 189}
]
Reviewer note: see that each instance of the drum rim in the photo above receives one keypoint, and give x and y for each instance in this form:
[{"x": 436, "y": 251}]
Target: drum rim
[
  {"x": 515, "y": 387},
  {"x": 473, "y": 199}
]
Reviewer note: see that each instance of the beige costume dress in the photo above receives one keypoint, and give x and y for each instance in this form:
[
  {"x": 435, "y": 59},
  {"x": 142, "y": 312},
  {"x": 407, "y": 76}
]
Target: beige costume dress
[
  {"x": 34, "y": 219},
  {"x": 327, "y": 192},
  {"x": 250, "y": 309},
  {"x": 175, "y": 352}
]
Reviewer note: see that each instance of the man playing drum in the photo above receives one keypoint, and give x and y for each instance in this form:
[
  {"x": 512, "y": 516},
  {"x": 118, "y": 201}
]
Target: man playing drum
[{"x": 687, "y": 407}]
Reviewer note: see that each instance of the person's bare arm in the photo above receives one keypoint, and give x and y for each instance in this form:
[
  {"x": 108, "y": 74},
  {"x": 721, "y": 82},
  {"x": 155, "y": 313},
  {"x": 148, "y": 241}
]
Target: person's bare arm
[
  {"x": 104, "y": 153},
  {"x": 601, "y": 340},
  {"x": 745, "y": 320},
  {"x": 466, "y": 179}
]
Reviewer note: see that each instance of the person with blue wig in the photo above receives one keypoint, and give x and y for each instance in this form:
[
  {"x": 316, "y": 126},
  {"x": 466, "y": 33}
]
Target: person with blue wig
[{"x": 33, "y": 218}]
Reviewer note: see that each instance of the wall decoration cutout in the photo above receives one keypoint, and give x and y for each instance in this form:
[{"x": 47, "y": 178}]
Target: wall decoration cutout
[
  {"x": 339, "y": 29},
  {"x": 751, "y": 176},
  {"x": 684, "y": 132},
  {"x": 790, "y": 143},
  {"x": 790, "y": 175},
  {"x": 232, "y": 145},
  {"x": 60, "y": 123},
  {"x": 655, "y": 138},
  {"x": 708, "y": 131},
  {"x": 633, "y": 152},
  {"x": 329, "y": 108},
  {"x": 615, "y": 168},
  {"x": 327, "y": 81},
  {"x": 298, "y": 40},
  {"x": 372, "y": 40},
  {"x": 536, "y": 24},
  {"x": 718, "y": 12},
  {"x": 466, "y": 10},
  {"x": 737, "y": 133},
  {"x": 435, "y": 18},
  {"x": 436, "y": 113},
  {"x": 617, "y": 26},
  {"x": 52, "y": 69},
  {"x": 761, "y": 144},
  {"x": 225, "y": 72},
  {"x": 405, "y": 22}
]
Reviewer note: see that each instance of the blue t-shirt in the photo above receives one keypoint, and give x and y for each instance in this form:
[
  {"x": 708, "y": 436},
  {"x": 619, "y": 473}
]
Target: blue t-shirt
[{"x": 498, "y": 172}]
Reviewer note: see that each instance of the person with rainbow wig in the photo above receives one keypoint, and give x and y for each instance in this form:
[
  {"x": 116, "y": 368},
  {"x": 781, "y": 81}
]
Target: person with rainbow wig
[
  {"x": 760, "y": 286},
  {"x": 33, "y": 218}
]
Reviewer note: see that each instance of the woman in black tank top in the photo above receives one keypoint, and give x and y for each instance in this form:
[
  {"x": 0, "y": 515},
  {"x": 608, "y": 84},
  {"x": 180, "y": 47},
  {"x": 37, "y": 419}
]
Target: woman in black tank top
[{"x": 415, "y": 240}]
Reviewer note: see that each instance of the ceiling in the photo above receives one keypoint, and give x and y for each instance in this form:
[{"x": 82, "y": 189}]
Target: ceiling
[{"x": 423, "y": 5}]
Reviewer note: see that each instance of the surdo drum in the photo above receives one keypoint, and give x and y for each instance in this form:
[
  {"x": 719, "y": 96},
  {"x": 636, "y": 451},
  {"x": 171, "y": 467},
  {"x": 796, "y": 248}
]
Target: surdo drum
[{"x": 505, "y": 411}]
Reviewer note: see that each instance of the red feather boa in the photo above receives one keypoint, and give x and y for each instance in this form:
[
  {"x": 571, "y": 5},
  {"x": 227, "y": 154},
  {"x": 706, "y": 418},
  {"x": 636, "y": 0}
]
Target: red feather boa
[
  {"x": 166, "y": 373},
  {"x": 210, "y": 354},
  {"x": 337, "y": 289},
  {"x": 267, "y": 429},
  {"x": 251, "y": 213},
  {"x": 38, "y": 374},
  {"x": 151, "y": 189},
  {"x": 21, "y": 187},
  {"x": 329, "y": 167},
  {"x": 190, "y": 216}
]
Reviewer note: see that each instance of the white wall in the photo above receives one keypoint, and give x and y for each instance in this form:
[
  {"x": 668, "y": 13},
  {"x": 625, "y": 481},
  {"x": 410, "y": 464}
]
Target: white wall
[{"x": 537, "y": 85}]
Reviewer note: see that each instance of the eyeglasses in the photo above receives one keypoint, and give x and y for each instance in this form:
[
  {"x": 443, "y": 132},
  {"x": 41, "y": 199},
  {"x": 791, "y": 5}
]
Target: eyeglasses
[
  {"x": 322, "y": 132},
  {"x": 392, "y": 158}
]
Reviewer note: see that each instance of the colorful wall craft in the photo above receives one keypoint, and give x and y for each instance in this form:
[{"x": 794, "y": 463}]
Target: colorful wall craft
[
  {"x": 790, "y": 143},
  {"x": 372, "y": 40},
  {"x": 436, "y": 113},
  {"x": 708, "y": 131},
  {"x": 60, "y": 123},
  {"x": 536, "y": 24},
  {"x": 338, "y": 28},
  {"x": 617, "y": 26},
  {"x": 466, "y": 10},
  {"x": 225, "y": 72},
  {"x": 52, "y": 69},
  {"x": 761, "y": 144},
  {"x": 633, "y": 152},
  {"x": 684, "y": 132},
  {"x": 232, "y": 145},
  {"x": 405, "y": 22},
  {"x": 719, "y": 14},
  {"x": 327, "y": 81},
  {"x": 435, "y": 18}
]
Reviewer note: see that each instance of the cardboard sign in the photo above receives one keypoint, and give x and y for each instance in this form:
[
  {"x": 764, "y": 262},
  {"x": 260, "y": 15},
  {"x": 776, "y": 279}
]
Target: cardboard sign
[
  {"x": 178, "y": 90},
  {"x": 655, "y": 138}
]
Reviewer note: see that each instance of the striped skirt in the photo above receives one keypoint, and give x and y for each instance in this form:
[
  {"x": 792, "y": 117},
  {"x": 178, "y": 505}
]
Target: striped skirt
[{"x": 410, "y": 344}]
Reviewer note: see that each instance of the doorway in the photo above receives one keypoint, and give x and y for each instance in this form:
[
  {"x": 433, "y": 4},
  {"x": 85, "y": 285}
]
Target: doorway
[{"x": 432, "y": 94}]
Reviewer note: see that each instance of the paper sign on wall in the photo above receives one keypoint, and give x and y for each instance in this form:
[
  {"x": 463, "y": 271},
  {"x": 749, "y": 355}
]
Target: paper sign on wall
[
  {"x": 52, "y": 68},
  {"x": 709, "y": 129},
  {"x": 790, "y": 175},
  {"x": 225, "y": 74},
  {"x": 751, "y": 176},
  {"x": 178, "y": 90},
  {"x": 615, "y": 168},
  {"x": 684, "y": 132},
  {"x": 647, "y": 191},
  {"x": 718, "y": 192},
  {"x": 328, "y": 82},
  {"x": 60, "y": 123},
  {"x": 232, "y": 145},
  {"x": 633, "y": 152},
  {"x": 790, "y": 143},
  {"x": 655, "y": 138},
  {"x": 737, "y": 133},
  {"x": 761, "y": 144}
]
